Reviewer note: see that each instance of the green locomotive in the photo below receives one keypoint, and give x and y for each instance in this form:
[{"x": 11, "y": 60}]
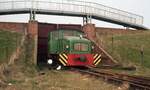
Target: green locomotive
[{"x": 70, "y": 48}]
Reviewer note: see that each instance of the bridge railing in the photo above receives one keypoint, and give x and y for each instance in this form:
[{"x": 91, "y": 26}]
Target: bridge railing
[{"x": 75, "y": 7}]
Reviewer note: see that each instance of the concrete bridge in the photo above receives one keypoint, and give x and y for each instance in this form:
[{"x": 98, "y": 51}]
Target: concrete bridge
[{"x": 87, "y": 10}]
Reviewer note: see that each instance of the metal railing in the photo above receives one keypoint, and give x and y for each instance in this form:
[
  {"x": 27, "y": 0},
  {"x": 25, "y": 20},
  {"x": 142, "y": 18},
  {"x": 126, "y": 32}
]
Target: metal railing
[{"x": 74, "y": 7}]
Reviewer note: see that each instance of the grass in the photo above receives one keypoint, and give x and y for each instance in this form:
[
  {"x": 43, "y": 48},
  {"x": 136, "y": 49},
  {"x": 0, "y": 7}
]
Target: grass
[
  {"x": 127, "y": 48},
  {"x": 8, "y": 43},
  {"x": 57, "y": 80}
]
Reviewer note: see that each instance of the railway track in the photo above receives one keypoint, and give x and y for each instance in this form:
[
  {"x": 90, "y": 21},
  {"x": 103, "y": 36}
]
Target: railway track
[{"x": 133, "y": 82}]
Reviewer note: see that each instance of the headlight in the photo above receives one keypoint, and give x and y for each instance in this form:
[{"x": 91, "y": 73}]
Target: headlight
[
  {"x": 92, "y": 47},
  {"x": 50, "y": 61},
  {"x": 67, "y": 46}
]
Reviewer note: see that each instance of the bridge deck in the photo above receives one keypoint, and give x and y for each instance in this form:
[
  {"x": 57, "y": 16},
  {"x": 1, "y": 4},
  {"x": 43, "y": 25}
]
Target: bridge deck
[{"x": 73, "y": 8}]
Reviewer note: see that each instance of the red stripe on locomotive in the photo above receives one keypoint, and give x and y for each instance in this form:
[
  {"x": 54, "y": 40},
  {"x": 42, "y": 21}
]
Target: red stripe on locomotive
[{"x": 80, "y": 60}]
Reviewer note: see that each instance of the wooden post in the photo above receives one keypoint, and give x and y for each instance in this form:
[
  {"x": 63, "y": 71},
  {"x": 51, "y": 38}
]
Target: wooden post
[
  {"x": 112, "y": 45},
  {"x": 142, "y": 54}
]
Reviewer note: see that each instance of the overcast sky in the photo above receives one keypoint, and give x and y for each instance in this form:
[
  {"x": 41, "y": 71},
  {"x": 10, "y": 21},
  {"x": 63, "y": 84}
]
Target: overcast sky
[{"x": 140, "y": 7}]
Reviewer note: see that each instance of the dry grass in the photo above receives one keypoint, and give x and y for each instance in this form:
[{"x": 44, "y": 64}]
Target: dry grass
[{"x": 52, "y": 80}]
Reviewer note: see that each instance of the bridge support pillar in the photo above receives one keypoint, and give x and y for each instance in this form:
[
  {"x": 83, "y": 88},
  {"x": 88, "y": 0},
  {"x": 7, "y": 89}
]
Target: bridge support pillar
[
  {"x": 33, "y": 39},
  {"x": 89, "y": 30},
  {"x": 32, "y": 28}
]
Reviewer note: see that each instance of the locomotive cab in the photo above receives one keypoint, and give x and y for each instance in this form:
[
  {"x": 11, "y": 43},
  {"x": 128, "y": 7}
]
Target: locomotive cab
[{"x": 74, "y": 45}]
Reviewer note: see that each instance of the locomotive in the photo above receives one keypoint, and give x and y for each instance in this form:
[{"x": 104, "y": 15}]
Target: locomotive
[{"x": 70, "y": 48}]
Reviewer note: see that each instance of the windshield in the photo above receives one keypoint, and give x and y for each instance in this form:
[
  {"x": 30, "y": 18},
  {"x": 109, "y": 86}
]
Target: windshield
[{"x": 80, "y": 47}]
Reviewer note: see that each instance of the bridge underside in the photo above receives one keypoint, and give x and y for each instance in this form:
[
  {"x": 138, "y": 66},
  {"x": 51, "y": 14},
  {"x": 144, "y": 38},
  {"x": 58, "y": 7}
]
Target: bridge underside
[{"x": 48, "y": 12}]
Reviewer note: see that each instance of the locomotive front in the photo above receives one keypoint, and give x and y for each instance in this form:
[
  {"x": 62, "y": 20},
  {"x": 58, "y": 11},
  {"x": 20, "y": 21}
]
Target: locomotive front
[{"x": 71, "y": 50}]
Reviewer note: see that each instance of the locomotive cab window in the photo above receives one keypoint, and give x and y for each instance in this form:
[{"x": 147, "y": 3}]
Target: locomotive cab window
[{"x": 80, "y": 47}]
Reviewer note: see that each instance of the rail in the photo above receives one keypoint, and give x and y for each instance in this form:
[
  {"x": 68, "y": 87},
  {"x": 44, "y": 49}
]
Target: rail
[{"x": 134, "y": 82}]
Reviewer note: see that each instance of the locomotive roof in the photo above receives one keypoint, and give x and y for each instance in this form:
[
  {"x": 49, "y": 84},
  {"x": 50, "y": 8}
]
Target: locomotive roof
[
  {"x": 78, "y": 30},
  {"x": 76, "y": 38}
]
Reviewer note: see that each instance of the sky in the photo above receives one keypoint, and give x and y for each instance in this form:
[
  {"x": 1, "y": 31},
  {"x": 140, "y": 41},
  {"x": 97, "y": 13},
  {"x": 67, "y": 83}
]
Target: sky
[{"x": 140, "y": 7}]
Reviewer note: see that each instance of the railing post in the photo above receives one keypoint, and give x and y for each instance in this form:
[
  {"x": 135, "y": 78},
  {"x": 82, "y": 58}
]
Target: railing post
[
  {"x": 87, "y": 19},
  {"x": 32, "y": 15},
  {"x": 12, "y": 5}
]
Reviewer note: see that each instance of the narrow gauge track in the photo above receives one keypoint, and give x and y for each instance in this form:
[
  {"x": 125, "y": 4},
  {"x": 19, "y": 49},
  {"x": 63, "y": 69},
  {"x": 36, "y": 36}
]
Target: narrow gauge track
[{"x": 134, "y": 82}]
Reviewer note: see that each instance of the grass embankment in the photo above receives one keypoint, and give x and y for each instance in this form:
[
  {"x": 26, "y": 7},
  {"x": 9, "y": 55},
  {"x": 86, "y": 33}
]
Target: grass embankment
[
  {"x": 8, "y": 43},
  {"x": 127, "y": 48},
  {"x": 24, "y": 75}
]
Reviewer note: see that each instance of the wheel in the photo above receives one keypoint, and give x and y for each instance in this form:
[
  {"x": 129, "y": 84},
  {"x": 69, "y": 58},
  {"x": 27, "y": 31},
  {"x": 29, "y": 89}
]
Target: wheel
[{"x": 58, "y": 67}]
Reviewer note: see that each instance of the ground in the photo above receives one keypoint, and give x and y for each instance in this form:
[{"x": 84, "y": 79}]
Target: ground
[{"x": 21, "y": 78}]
